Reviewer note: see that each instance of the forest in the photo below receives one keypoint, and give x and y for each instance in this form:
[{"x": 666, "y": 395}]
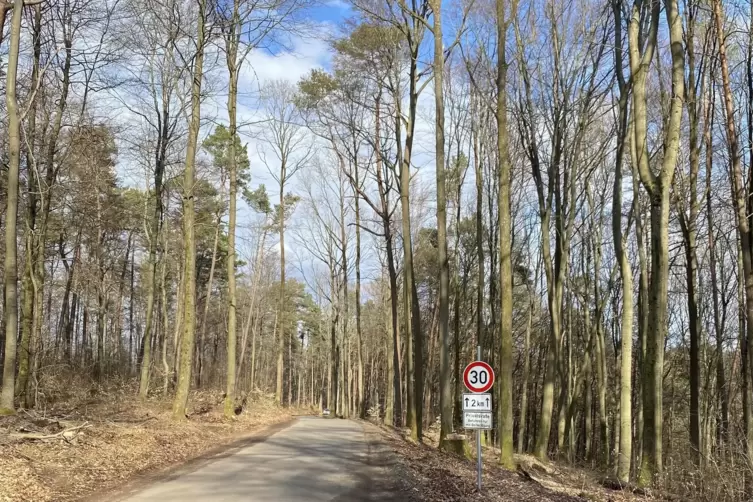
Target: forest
[{"x": 567, "y": 185}]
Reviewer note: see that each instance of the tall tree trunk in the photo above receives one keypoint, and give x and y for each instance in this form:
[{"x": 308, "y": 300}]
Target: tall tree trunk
[
  {"x": 688, "y": 224},
  {"x": 643, "y": 303},
  {"x": 396, "y": 399},
  {"x": 721, "y": 384},
  {"x": 359, "y": 334},
  {"x": 151, "y": 272},
  {"x": 281, "y": 306},
  {"x": 7, "y": 405},
  {"x": 31, "y": 249},
  {"x": 658, "y": 188},
  {"x": 741, "y": 203},
  {"x": 481, "y": 279},
  {"x": 165, "y": 317},
  {"x": 413, "y": 336},
  {"x": 505, "y": 413},
  {"x": 445, "y": 375},
  {"x": 189, "y": 238},
  {"x": 232, "y": 41},
  {"x": 626, "y": 273},
  {"x": 345, "y": 388}
]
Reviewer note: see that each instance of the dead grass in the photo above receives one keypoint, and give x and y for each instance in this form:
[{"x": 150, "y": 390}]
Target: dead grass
[{"x": 122, "y": 438}]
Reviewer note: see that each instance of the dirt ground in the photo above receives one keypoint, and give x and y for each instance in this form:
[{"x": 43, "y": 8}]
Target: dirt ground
[
  {"x": 435, "y": 476},
  {"x": 99, "y": 441}
]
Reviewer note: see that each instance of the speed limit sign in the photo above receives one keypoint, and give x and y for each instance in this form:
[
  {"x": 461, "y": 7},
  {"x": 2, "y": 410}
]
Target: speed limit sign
[{"x": 478, "y": 377}]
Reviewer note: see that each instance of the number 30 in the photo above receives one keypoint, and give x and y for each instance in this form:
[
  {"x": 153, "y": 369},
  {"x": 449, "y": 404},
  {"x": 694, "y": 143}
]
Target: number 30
[{"x": 479, "y": 377}]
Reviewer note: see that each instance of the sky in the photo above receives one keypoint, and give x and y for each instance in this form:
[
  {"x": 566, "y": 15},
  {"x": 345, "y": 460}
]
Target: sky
[
  {"x": 303, "y": 53},
  {"x": 291, "y": 64}
]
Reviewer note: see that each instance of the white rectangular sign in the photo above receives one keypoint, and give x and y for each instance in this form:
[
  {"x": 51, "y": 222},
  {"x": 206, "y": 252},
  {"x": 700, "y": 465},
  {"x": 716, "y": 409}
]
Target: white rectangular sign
[
  {"x": 477, "y": 419},
  {"x": 477, "y": 402}
]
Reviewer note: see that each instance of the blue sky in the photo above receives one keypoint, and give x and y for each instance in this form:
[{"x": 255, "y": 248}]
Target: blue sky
[
  {"x": 290, "y": 63},
  {"x": 333, "y": 12}
]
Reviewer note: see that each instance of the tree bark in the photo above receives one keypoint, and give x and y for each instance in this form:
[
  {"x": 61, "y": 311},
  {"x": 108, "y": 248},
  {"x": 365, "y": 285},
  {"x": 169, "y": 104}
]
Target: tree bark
[
  {"x": 7, "y": 405},
  {"x": 445, "y": 375},
  {"x": 688, "y": 225},
  {"x": 207, "y": 303},
  {"x": 189, "y": 238},
  {"x": 739, "y": 198},
  {"x": 505, "y": 413},
  {"x": 232, "y": 41},
  {"x": 658, "y": 188},
  {"x": 626, "y": 273}
]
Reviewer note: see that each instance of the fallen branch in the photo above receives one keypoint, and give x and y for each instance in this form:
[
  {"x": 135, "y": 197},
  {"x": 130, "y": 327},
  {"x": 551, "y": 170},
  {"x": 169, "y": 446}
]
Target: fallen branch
[
  {"x": 66, "y": 435},
  {"x": 615, "y": 484}
]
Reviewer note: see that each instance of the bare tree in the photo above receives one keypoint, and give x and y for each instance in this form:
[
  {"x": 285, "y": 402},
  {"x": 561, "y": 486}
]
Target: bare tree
[
  {"x": 189, "y": 310},
  {"x": 289, "y": 153}
]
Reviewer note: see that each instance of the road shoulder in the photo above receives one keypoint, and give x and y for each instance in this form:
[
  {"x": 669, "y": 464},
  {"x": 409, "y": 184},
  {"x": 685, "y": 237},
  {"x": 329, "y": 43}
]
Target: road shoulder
[{"x": 390, "y": 480}]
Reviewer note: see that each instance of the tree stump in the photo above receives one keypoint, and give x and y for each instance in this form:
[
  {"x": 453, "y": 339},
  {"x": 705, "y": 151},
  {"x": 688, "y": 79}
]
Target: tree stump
[{"x": 456, "y": 444}]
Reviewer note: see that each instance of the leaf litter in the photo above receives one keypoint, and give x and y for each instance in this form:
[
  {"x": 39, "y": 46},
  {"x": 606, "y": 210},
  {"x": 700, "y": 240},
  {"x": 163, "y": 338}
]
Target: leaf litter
[
  {"x": 437, "y": 476},
  {"x": 99, "y": 440}
]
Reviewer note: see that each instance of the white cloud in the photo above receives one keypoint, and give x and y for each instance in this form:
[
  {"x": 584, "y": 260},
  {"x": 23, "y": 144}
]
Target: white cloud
[{"x": 306, "y": 55}]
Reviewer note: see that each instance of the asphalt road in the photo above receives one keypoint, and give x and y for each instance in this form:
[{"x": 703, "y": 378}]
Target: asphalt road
[{"x": 313, "y": 460}]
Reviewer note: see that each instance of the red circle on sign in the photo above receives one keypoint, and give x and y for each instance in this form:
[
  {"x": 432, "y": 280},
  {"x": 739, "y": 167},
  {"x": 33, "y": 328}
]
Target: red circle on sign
[{"x": 478, "y": 386}]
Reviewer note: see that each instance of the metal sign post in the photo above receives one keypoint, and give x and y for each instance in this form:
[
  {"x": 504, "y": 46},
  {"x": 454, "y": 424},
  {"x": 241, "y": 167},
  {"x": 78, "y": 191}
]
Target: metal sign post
[
  {"x": 478, "y": 436},
  {"x": 477, "y": 407}
]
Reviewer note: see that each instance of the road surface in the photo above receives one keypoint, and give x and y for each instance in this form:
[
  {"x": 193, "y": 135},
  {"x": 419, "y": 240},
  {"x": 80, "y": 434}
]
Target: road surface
[{"x": 313, "y": 460}]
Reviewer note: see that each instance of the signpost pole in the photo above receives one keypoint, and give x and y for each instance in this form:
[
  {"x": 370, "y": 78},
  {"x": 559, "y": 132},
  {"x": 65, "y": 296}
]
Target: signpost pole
[{"x": 478, "y": 435}]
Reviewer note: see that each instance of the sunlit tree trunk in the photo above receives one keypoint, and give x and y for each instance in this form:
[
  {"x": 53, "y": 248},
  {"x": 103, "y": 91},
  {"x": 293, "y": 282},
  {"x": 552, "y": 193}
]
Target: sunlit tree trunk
[
  {"x": 505, "y": 413},
  {"x": 626, "y": 272},
  {"x": 741, "y": 204},
  {"x": 658, "y": 188},
  {"x": 189, "y": 232},
  {"x": 7, "y": 405},
  {"x": 445, "y": 375}
]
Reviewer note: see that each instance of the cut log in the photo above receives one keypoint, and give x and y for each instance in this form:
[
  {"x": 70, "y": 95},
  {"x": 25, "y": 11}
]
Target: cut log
[{"x": 66, "y": 435}]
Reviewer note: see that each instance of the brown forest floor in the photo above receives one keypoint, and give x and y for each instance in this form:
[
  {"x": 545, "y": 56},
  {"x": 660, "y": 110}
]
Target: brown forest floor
[
  {"x": 99, "y": 440},
  {"x": 435, "y": 476}
]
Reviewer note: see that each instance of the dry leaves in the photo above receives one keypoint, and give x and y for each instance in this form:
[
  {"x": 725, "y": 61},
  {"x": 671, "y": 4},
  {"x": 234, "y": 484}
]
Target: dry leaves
[
  {"x": 98, "y": 443},
  {"x": 436, "y": 476}
]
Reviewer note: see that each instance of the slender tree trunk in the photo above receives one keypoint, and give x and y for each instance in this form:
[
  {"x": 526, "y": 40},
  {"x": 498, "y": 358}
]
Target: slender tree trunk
[
  {"x": 626, "y": 273},
  {"x": 359, "y": 334},
  {"x": 721, "y": 384},
  {"x": 345, "y": 366},
  {"x": 739, "y": 198},
  {"x": 396, "y": 411},
  {"x": 642, "y": 307},
  {"x": 40, "y": 194},
  {"x": 505, "y": 413},
  {"x": 189, "y": 314},
  {"x": 165, "y": 318},
  {"x": 281, "y": 306},
  {"x": 413, "y": 337},
  {"x": 7, "y": 405},
  {"x": 151, "y": 272},
  {"x": 251, "y": 308},
  {"x": 480, "y": 288},
  {"x": 445, "y": 375},
  {"x": 522, "y": 430},
  {"x": 688, "y": 226},
  {"x": 207, "y": 304},
  {"x": 130, "y": 313},
  {"x": 658, "y": 188},
  {"x": 231, "y": 46}
]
